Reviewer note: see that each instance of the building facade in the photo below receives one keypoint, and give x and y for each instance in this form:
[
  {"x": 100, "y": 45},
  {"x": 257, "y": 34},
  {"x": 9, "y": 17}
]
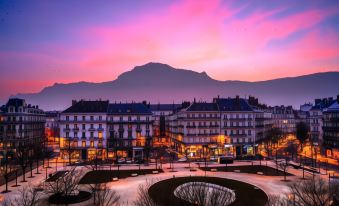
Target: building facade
[
  {"x": 161, "y": 113},
  {"x": 21, "y": 125},
  {"x": 83, "y": 130},
  {"x": 331, "y": 130},
  {"x": 130, "y": 127},
  {"x": 100, "y": 130},
  {"x": 283, "y": 117},
  {"x": 226, "y": 126}
]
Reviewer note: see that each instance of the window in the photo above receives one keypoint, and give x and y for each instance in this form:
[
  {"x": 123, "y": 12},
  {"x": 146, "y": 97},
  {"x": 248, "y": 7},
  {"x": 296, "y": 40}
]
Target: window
[
  {"x": 83, "y": 118},
  {"x": 100, "y": 118},
  {"x": 75, "y": 118},
  {"x": 83, "y": 135},
  {"x": 75, "y": 134},
  {"x": 83, "y": 126},
  {"x": 67, "y": 134},
  {"x": 100, "y": 126},
  {"x": 92, "y": 143},
  {"x": 100, "y": 135},
  {"x": 92, "y": 126},
  {"x": 83, "y": 144},
  {"x": 67, "y": 126},
  {"x": 129, "y": 118},
  {"x": 92, "y": 118},
  {"x": 67, "y": 118},
  {"x": 92, "y": 134}
]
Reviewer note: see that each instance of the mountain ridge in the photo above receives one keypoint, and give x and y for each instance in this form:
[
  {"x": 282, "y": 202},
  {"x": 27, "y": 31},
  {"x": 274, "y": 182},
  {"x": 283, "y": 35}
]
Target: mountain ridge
[{"x": 157, "y": 82}]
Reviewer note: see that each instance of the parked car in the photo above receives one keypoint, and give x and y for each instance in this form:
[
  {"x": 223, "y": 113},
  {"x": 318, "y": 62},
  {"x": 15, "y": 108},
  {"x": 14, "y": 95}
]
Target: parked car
[{"x": 121, "y": 160}]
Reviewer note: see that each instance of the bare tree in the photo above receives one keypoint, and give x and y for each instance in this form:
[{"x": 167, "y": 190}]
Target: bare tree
[
  {"x": 283, "y": 165},
  {"x": 6, "y": 202},
  {"x": 103, "y": 196},
  {"x": 312, "y": 192},
  {"x": 291, "y": 148},
  {"x": 280, "y": 200},
  {"x": 6, "y": 169},
  {"x": 22, "y": 158},
  {"x": 143, "y": 197},
  {"x": 302, "y": 133},
  {"x": 315, "y": 191},
  {"x": 205, "y": 194},
  {"x": 28, "y": 196},
  {"x": 66, "y": 184}
]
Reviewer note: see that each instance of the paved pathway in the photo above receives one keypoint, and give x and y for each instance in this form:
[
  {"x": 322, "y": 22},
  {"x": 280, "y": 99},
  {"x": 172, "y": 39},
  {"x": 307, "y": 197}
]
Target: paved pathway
[{"x": 128, "y": 188}]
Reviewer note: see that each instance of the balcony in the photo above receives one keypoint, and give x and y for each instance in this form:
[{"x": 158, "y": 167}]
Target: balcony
[
  {"x": 67, "y": 130},
  {"x": 92, "y": 129},
  {"x": 100, "y": 129},
  {"x": 75, "y": 129}
]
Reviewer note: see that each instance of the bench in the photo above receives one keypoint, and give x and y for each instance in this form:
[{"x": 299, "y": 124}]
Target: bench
[
  {"x": 115, "y": 179},
  {"x": 237, "y": 171},
  {"x": 155, "y": 172},
  {"x": 134, "y": 174},
  {"x": 213, "y": 170},
  {"x": 260, "y": 173}
]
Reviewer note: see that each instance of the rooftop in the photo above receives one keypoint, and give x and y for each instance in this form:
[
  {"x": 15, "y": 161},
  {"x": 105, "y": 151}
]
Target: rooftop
[
  {"x": 83, "y": 106},
  {"x": 128, "y": 108}
]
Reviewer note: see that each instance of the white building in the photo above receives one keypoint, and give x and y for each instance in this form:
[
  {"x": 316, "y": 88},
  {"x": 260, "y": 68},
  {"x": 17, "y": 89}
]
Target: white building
[
  {"x": 225, "y": 126},
  {"x": 21, "y": 125},
  {"x": 83, "y": 130},
  {"x": 130, "y": 127}
]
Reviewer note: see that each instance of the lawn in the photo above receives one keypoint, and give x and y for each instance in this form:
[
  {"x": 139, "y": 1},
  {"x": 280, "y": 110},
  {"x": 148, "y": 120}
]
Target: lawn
[
  {"x": 251, "y": 169},
  {"x": 102, "y": 176},
  {"x": 246, "y": 194}
]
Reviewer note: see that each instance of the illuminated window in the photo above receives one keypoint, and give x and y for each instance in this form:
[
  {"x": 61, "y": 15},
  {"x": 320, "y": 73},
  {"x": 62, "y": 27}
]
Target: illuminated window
[
  {"x": 100, "y": 135},
  {"x": 83, "y": 144},
  {"x": 92, "y": 143}
]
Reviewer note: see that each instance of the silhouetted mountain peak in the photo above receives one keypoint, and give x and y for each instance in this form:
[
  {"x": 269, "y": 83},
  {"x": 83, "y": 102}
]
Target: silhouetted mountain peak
[
  {"x": 161, "y": 73},
  {"x": 158, "y": 82}
]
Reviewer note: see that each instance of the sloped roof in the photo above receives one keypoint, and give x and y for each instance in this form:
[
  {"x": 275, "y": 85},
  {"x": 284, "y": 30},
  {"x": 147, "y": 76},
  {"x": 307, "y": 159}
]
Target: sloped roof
[
  {"x": 233, "y": 104},
  {"x": 128, "y": 108},
  {"x": 16, "y": 102},
  {"x": 333, "y": 108},
  {"x": 203, "y": 106},
  {"x": 164, "y": 107},
  {"x": 88, "y": 107}
]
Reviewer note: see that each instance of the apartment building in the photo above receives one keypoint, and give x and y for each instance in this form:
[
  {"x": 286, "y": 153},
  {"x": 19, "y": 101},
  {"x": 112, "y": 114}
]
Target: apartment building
[
  {"x": 83, "y": 130},
  {"x": 130, "y": 127},
  {"x": 331, "y": 130},
  {"x": 225, "y": 126},
  {"x": 283, "y": 117},
  {"x": 21, "y": 124},
  {"x": 161, "y": 112}
]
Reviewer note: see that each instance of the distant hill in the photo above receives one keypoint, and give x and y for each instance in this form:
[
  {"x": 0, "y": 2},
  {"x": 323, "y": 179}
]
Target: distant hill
[{"x": 162, "y": 83}]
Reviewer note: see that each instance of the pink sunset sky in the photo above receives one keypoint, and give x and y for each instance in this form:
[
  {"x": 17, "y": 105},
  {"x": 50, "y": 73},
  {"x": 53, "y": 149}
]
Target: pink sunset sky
[{"x": 44, "y": 42}]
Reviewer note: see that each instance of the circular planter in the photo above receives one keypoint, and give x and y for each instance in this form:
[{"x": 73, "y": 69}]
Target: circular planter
[{"x": 163, "y": 192}]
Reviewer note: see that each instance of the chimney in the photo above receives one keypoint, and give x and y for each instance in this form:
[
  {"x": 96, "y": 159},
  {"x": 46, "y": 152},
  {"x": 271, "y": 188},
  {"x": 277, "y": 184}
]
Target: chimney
[{"x": 74, "y": 102}]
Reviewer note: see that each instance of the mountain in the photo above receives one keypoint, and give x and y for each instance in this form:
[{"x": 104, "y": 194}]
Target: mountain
[{"x": 162, "y": 83}]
